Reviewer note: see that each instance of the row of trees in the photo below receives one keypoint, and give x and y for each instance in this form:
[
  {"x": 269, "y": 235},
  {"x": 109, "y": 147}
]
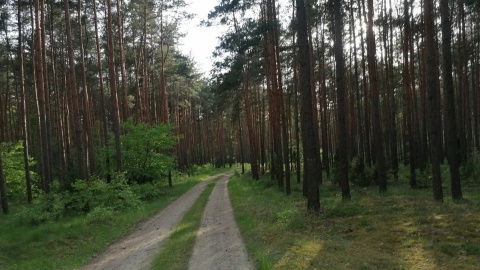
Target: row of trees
[
  {"x": 304, "y": 86},
  {"x": 340, "y": 83},
  {"x": 73, "y": 71}
]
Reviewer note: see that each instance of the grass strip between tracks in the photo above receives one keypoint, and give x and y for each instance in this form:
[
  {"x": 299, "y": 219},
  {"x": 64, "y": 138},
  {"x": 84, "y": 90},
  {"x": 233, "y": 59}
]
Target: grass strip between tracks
[{"x": 176, "y": 253}]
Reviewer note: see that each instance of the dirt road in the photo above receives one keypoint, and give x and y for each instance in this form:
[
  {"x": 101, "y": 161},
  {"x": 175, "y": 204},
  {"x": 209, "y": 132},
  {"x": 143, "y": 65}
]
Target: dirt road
[
  {"x": 219, "y": 244},
  {"x": 136, "y": 250}
]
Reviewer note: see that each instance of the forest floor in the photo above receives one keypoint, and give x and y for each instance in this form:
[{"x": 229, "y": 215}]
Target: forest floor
[
  {"x": 402, "y": 228},
  {"x": 218, "y": 245}
]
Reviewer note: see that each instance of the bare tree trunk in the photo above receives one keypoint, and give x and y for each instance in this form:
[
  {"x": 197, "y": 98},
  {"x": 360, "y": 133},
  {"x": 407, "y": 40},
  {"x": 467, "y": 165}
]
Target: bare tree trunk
[
  {"x": 453, "y": 151},
  {"x": 367, "y": 144},
  {"x": 123, "y": 90},
  {"x": 360, "y": 129},
  {"x": 433, "y": 93},
  {"x": 163, "y": 79},
  {"x": 409, "y": 107},
  {"x": 295, "y": 93},
  {"x": 102, "y": 93},
  {"x": 24, "y": 110},
  {"x": 40, "y": 94},
  {"x": 311, "y": 153},
  {"x": 87, "y": 121},
  {"x": 392, "y": 104},
  {"x": 374, "y": 97},
  {"x": 341, "y": 111},
  {"x": 77, "y": 115},
  {"x": 113, "y": 88}
]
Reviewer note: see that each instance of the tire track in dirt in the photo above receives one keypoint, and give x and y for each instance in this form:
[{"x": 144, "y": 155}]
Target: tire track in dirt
[
  {"x": 136, "y": 250},
  {"x": 219, "y": 244}
]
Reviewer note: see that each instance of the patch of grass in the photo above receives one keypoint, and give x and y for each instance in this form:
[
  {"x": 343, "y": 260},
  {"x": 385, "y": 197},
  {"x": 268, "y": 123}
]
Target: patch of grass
[
  {"x": 73, "y": 241},
  {"x": 176, "y": 253},
  {"x": 401, "y": 229}
]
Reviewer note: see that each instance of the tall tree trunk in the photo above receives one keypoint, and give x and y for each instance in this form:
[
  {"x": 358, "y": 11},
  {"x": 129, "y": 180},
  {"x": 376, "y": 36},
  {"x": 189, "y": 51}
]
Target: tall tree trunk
[
  {"x": 453, "y": 151},
  {"x": 163, "y": 76},
  {"x": 392, "y": 104},
  {"x": 433, "y": 93},
  {"x": 409, "y": 107},
  {"x": 281, "y": 105},
  {"x": 87, "y": 121},
  {"x": 77, "y": 115},
  {"x": 24, "y": 108},
  {"x": 123, "y": 90},
  {"x": 113, "y": 88},
  {"x": 341, "y": 111},
  {"x": 374, "y": 97},
  {"x": 40, "y": 94},
  {"x": 46, "y": 91},
  {"x": 248, "y": 111},
  {"x": 250, "y": 125},
  {"x": 461, "y": 112},
  {"x": 310, "y": 152},
  {"x": 366, "y": 97},
  {"x": 295, "y": 93},
  {"x": 102, "y": 93},
  {"x": 360, "y": 130}
]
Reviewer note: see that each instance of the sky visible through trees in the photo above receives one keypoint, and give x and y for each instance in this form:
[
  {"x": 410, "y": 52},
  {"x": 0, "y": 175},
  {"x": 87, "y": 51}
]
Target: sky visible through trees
[{"x": 341, "y": 91}]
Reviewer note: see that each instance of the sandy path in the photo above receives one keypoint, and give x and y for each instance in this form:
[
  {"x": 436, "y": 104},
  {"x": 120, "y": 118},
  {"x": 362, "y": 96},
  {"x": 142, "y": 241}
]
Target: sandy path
[
  {"x": 135, "y": 251},
  {"x": 219, "y": 244}
]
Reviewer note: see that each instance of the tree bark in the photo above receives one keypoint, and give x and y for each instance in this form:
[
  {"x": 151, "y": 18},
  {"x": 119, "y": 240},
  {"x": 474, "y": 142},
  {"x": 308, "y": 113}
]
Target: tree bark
[
  {"x": 77, "y": 115},
  {"x": 341, "y": 111},
  {"x": 310, "y": 152},
  {"x": 113, "y": 88},
  {"x": 433, "y": 97},
  {"x": 374, "y": 97},
  {"x": 453, "y": 151},
  {"x": 24, "y": 108},
  {"x": 40, "y": 95}
]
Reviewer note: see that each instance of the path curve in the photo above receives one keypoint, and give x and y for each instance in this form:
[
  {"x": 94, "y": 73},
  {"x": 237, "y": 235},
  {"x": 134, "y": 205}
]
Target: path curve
[
  {"x": 136, "y": 250},
  {"x": 219, "y": 244}
]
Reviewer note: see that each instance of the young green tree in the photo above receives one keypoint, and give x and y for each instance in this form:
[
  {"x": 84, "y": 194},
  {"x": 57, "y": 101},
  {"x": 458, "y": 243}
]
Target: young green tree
[{"x": 3, "y": 187}]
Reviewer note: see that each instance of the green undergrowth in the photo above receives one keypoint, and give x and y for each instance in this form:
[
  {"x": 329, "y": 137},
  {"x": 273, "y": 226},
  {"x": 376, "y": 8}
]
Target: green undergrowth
[
  {"x": 400, "y": 229},
  {"x": 72, "y": 241},
  {"x": 176, "y": 253}
]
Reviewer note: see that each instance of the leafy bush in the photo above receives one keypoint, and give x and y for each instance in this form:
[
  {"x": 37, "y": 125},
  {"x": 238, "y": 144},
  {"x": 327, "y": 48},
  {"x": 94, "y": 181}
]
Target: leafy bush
[
  {"x": 14, "y": 170},
  {"x": 47, "y": 208},
  {"x": 200, "y": 169},
  {"x": 147, "y": 151},
  {"x": 100, "y": 215},
  {"x": 360, "y": 174},
  {"x": 471, "y": 169},
  {"x": 116, "y": 195},
  {"x": 148, "y": 191}
]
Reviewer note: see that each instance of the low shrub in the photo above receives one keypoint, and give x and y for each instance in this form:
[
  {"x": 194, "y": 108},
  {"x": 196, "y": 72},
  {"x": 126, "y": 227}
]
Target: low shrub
[
  {"x": 100, "y": 215},
  {"x": 360, "y": 174},
  {"x": 148, "y": 191},
  {"x": 47, "y": 208},
  {"x": 83, "y": 197},
  {"x": 470, "y": 171},
  {"x": 87, "y": 195}
]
